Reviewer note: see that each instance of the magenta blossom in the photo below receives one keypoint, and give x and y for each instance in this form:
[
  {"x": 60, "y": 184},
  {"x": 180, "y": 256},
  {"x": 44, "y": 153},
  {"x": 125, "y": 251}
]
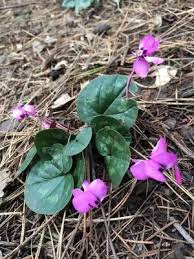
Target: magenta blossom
[
  {"x": 48, "y": 124},
  {"x": 20, "y": 112},
  {"x": 147, "y": 46},
  {"x": 30, "y": 110},
  {"x": 160, "y": 160},
  {"x": 93, "y": 193}
]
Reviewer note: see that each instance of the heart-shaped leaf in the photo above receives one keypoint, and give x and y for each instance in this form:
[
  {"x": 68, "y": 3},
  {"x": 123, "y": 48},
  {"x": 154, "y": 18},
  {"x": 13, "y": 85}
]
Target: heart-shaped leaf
[
  {"x": 59, "y": 157},
  {"x": 28, "y": 159},
  {"x": 77, "y": 170},
  {"x": 113, "y": 146},
  {"x": 78, "y": 4},
  {"x": 104, "y": 96},
  {"x": 79, "y": 143},
  {"x": 47, "y": 191},
  {"x": 48, "y": 137},
  {"x": 102, "y": 121}
]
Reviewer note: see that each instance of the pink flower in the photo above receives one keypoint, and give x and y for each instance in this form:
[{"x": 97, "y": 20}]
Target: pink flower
[
  {"x": 160, "y": 160},
  {"x": 147, "y": 46},
  {"x": 83, "y": 201},
  {"x": 20, "y": 112},
  {"x": 48, "y": 124},
  {"x": 93, "y": 193},
  {"x": 97, "y": 187},
  {"x": 30, "y": 110}
]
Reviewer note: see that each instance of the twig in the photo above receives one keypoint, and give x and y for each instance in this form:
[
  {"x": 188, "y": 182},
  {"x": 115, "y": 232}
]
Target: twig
[
  {"x": 40, "y": 244},
  {"x": 11, "y": 213},
  {"x": 179, "y": 143},
  {"x": 15, "y": 6},
  {"x": 60, "y": 242},
  {"x": 183, "y": 232},
  {"x": 72, "y": 237},
  {"x": 29, "y": 238},
  {"x": 108, "y": 233},
  {"x": 128, "y": 84}
]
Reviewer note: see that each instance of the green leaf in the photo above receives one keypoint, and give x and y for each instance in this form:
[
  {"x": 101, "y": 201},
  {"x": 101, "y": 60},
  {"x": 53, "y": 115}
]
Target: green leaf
[
  {"x": 77, "y": 4},
  {"x": 104, "y": 96},
  {"x": 77, "y": 170},
  {"x": 113, "y": 146},
  {"x": 48, "y": 137},
  {"x": 59, "y": 157},
  {"x": 47, "y": 191},
  {"x": 79, "y": 143},
  {"x": 28, "y": 159},
  {"x": 102, "y": 121}
]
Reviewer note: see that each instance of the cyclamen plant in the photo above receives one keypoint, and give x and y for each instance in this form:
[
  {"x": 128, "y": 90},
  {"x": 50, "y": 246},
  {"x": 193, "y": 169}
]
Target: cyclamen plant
[{"x": 58, "y": 156}]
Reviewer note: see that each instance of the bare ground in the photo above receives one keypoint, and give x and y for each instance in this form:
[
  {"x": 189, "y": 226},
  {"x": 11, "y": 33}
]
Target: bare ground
[{"x": 146, "y": 220}]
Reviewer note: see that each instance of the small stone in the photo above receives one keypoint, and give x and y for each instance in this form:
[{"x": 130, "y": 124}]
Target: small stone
[
  {"x": 170, "y": 123},
  {"x": 101, "y": 28},
  {"x": 38, "y": 46}
]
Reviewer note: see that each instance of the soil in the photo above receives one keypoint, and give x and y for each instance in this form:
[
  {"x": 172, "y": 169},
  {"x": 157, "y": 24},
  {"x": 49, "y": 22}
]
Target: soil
[{"x": 46, "y": 51}]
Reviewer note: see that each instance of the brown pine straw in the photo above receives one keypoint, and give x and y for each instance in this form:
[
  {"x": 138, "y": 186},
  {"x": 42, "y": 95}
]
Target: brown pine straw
[{"x": 145, "y": 219}]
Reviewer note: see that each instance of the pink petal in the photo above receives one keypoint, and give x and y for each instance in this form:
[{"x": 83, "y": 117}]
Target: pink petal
[
  {"x": 166, "y": 159},
  {"x": 30, "y": 110},
  {"x": 141, "y": 67},
  {"x": 178, "y": 175},
  {"x": 18, "y": 112},
  {"x": 98, "y": 188},
  {"x": 83, "y": 201},
  {"x": 152, "y": 170},
  {"x": 86, "y": 185},
  {"x": 77, "y": 192},
  {"x": 138, "y": 170},
  {"x": 155, "y": 60},
  {"x": 160, "y": 147},
  {"x": 149, "y": 44},
  {"x": 47, "y": 124}
]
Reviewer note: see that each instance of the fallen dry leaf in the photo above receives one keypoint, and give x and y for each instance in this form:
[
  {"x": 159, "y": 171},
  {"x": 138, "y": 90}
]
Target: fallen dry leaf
[
  {"x": 157, "y": 20},
  {"x": 4, "y": 180},
  {"x": 62, "y": 100},
  {"x": 164, "y": 74},
  {"x": 38, "y": 46}
]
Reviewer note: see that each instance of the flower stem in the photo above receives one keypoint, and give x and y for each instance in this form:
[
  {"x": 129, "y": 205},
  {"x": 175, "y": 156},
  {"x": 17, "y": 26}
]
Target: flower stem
[{"x": 128, "y": 84}]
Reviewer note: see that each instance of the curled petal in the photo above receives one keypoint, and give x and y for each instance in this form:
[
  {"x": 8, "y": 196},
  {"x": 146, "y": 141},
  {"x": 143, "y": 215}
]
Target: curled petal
[
  {"x": 155, "y": 60},
  {"x": 99, "y": 189},
  {"x": 161, "y": 147},
  {"x": 178, "y": 175},
  {"x": 86, "y": 185},
  {"x": 30, "y": 110},
  {"x": 83, "y": 201},
  {"x": 145, "y": 169},
  {"x": 166, "y": 159},
  {"x": 77, "y": 192},
  {"x": 18, "y": 112},
  {"x": 161, "y": 156},
  {"x": 138, "y": 170},
  {"x": 152, "y": 170},
  {"x": 149, "y": 44},
  {"x": 96, "y": 187},
  {"x": 141, "y": 67}
]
